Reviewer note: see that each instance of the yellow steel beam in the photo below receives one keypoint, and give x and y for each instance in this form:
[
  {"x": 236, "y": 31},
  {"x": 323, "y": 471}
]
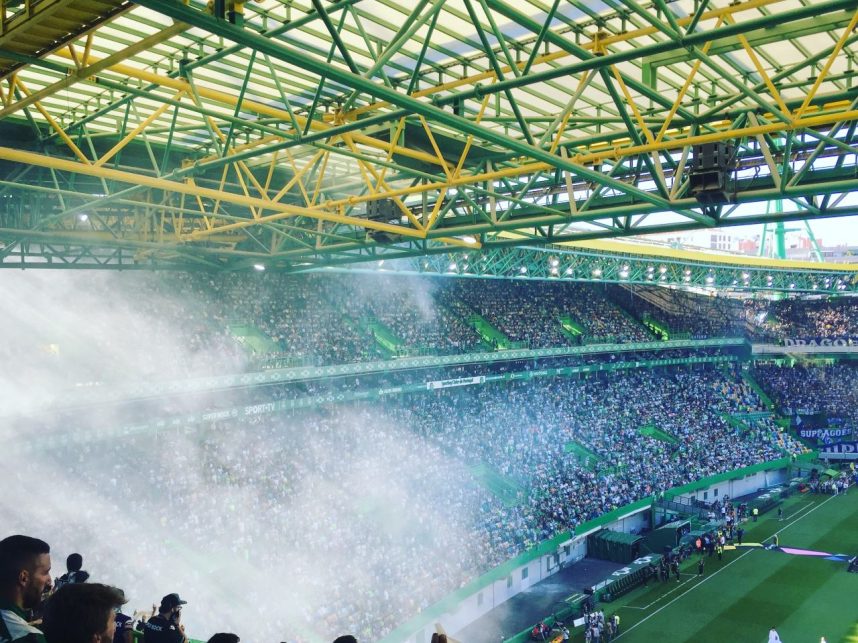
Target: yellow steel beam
[
  {"x": 282, "y": 210},
  {"x": 435, "y": 147},
  {"x": 89, "y": 236},
  {"x": 366, "y": 168},
  {"x": 616, "y": 149},
  {"x": 630, "y": 101},
  {"x": 469, "y": 142},
  {"x": 773, "y": 91},
  {"x": 610, "y": 153},
  {"x": 82, "y": 73},
  {"x": 455, "y": 241},
  {"x": 604, "y": 245},
  {"x": 178, "y": 84},
  {"x": 473, "y": 79},
  {"x": 694, "y": 69},
  {"x": 54, "y": 125},
  {"x": 566, "y": 114},
  {"x": 104, "y": 158},
  {"x": 728, "y": 134},
  {"x": 296, "y": 175},
  {"x": 828, "y": 63}
]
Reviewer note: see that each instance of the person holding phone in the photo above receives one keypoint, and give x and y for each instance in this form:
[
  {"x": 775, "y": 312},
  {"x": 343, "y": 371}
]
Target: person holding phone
[{"x": 166, "y": 626}]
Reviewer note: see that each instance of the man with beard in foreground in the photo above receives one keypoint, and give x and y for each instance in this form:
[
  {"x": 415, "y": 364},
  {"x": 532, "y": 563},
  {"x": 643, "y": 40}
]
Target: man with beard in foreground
[{"x": 25, "y": 573}]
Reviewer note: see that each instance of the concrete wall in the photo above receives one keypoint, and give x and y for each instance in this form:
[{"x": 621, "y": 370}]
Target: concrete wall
[{"x": 742, "y": 486}]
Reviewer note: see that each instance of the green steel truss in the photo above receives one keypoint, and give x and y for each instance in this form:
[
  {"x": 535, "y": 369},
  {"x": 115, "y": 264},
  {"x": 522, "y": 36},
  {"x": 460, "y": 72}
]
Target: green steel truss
[
  {"x": 556, "y": 263},
  {"x": 296, "y": 135}
]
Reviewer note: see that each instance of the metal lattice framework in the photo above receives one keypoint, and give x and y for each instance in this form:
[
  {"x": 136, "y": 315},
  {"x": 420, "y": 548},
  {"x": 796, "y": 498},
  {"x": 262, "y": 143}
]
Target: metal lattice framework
[
  {"x": 686, "y": 271},
  {"x": 306, "y": 133}
]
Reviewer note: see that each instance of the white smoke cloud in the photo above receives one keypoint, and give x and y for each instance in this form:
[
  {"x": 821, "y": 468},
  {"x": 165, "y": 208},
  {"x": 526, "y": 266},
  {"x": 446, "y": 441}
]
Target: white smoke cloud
[{"x": 293, "y": 528}]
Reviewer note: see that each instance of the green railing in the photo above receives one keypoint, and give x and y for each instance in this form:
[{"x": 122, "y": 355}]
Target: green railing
[
  {"x": 489, "y": 334},
  {"x": 570, "y": 327},
  {"x": 653, "y": 431},
  {"x": 383, "y": 336},
  {"x": 656, "y": 327},
  {"x": 310, "y": 401},
  {"x": 143, "y": 390}
]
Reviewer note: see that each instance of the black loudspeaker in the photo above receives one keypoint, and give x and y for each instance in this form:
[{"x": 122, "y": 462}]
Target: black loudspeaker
[
  {"x": 589, "y": 591},
  {"x": 711, "y": 165},
  {"x": 383, "y": 211}
]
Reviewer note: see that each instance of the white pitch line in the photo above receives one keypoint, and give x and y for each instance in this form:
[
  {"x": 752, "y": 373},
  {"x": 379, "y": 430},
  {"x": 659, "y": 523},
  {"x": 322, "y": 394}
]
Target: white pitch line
[
  {"x": 713, "y": 575},
  {"x": 676, "y": 587}
]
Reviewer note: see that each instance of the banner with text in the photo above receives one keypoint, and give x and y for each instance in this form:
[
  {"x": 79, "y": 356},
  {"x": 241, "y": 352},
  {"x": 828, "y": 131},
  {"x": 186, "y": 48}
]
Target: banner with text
[
  {"x": 821, "y": 341},
  {"x": 842, "y": 451},
  {"x": 825, "y": 435}
]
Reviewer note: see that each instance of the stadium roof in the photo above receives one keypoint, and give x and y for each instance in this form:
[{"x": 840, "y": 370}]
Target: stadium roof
[{"x": 307, "y": 133}]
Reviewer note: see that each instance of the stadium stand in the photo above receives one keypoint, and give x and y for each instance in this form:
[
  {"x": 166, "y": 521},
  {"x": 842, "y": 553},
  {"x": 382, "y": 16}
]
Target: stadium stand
[
  {"x": 682, "y": 314},
  {"x": 837, "y": 318},
  {"x": 283, "y": 470},
  {"x": 231, "y": 323},
  {"x": 520, "y": 461},
  {"x": 832, "y": 390}
]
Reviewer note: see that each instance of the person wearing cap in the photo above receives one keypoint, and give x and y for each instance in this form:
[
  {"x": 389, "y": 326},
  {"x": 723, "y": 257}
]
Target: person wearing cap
[{"x": 166, "y": 626}]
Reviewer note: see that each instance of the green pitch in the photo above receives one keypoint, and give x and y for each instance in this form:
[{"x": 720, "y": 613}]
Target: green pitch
[{"x": 740, "y": 598}]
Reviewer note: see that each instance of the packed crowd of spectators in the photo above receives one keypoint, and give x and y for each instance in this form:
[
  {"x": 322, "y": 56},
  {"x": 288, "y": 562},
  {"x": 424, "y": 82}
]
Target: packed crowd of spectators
[
  {"x": 411, "y": 309},
  {"x": 799, "y": 319},
  {"x": 157, "y": 327},
  {"x": 765, "y": 428},
  {"x": 684, "y": 314},
  {"x": 154, "y": 326},
  {"x": 366, "y": 513},
  {"x": 361, "y": 514},
  {"x": 530, "y": 312},
  {"x": 704, "y": 316},
  {"x": 832, "y": 390}
]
